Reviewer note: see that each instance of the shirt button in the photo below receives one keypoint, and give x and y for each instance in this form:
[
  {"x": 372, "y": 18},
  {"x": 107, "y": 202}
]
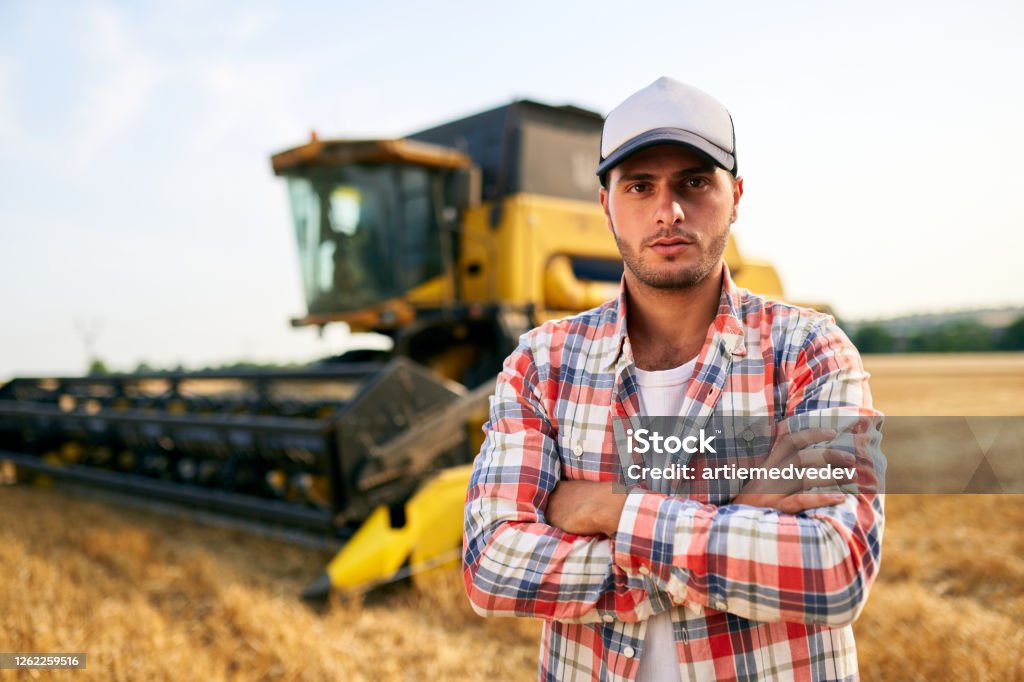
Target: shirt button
[
  {"x": 644, "y": 570},
  {"x": 748, "y": 435},
  {"x": 606, "y": 618},
  {"x": 684, "y": 637},
  {"x": 577, "y": 450},
  {"x": 629, "y": 652}
]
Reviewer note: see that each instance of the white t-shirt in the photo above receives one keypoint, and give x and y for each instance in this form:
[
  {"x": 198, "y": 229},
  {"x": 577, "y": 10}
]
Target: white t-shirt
[{"x": 661, "y": 395}]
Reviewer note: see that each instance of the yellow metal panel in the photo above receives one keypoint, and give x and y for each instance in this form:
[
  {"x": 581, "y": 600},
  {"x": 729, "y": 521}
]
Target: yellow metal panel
[
  {"x": 732, "y": 256},
  {"x": 376, "y": 551},
  {"x": 478, "y": 256},
  {"x": 760, "y": 277},
  {"x": 435, "y": 517},
  {"x": 432, "y": 292},
  {"x": 430, "y": 540},
  {"x": 532, "y": 230},
  {"x": 563, "y": 291}
]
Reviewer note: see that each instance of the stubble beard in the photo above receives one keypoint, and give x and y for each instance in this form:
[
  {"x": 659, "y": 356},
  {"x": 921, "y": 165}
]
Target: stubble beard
[{"x": 667, "y": 279}]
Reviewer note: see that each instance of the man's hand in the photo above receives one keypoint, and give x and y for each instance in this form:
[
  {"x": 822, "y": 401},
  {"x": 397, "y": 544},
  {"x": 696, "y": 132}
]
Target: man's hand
[
  {"x": 585, "y": 507},
  {"x": 592, "y": 508},
  {"x": 792, "y": 448},
  {"x": 793, "y": 503}
]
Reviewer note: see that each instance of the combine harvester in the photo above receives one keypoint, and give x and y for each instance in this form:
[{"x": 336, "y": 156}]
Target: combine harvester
[{"x": 452, "y": 241}]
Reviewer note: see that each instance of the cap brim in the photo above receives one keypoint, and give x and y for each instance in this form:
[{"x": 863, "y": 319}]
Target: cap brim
[{"x": 677, "y": 136}]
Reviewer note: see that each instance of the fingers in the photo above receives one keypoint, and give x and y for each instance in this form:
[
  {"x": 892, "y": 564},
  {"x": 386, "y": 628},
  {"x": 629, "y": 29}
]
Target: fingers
[
  {"x": 789, "y": 504},
  {"x": 838, "y": 458},
  {"x": 798, "y": 502},
  {"x": 788, "y": 445},
  {"x": 820, "y": 459},
  {"x": 795, "y": 449},
  {"x": 808, "y": 437},
  {"x": 584, "y": 507},
  {"x": 810, "y": 468}
]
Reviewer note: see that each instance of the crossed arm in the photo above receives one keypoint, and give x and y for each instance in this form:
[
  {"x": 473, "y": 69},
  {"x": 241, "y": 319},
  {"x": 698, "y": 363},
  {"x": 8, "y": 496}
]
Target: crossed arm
[{"x": 535, "y": 546}]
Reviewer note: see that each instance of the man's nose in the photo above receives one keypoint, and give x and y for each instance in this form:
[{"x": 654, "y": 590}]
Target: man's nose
[{"x": 670, "y": 209}]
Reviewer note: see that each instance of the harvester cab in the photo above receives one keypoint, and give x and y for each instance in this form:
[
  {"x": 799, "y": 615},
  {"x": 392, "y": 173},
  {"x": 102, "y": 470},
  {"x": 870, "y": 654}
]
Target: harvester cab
[
  {"x": 372, "y": 221},
  {"x": 454, "y": 240}
]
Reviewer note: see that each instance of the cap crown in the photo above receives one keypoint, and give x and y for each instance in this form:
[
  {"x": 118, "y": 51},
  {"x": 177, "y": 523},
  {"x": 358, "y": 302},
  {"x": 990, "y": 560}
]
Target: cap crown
[{"x": 667, "y": 111}]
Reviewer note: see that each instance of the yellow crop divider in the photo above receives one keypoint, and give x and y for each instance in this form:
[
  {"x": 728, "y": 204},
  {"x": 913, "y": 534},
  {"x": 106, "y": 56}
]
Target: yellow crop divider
[{"x": 429, "y": 540}]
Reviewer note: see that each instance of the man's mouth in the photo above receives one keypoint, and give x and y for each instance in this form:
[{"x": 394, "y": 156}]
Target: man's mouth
[{"x": 670, "y": 246}]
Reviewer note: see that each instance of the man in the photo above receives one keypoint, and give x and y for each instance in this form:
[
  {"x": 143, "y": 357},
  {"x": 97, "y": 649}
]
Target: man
[{"x": 762, "y": 583}]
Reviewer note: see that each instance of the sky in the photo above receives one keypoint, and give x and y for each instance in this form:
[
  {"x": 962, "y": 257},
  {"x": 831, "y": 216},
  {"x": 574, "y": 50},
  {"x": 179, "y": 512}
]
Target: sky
[{"x": 880, "y": 143}]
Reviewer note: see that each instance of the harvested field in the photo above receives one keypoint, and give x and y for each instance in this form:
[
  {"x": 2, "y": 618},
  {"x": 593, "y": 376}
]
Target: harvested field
[
  {"x": 153, "y": 598},
  {"x": 150, "y": 598},
  {"x": 982, "y": 384}
]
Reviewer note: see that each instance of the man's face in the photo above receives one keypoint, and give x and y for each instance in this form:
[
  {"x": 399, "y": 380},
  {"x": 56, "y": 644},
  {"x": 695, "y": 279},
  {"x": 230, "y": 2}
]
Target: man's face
[{"x": 670, "y": 210}]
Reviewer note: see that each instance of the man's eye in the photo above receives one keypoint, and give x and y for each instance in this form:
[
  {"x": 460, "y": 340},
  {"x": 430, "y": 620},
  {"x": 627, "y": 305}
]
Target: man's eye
[
  {"x": 637, "y": 187},
  {"x": 695, "y": 182}
]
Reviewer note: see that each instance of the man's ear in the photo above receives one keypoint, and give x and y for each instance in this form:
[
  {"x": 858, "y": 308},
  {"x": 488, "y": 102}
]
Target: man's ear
[
  {"x": 603, "y": 195},
  {"x": 737, "y": 192}
]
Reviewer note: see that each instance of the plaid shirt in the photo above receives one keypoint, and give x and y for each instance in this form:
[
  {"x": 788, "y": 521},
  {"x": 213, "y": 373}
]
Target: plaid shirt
[{"x": 754, "y": 593}]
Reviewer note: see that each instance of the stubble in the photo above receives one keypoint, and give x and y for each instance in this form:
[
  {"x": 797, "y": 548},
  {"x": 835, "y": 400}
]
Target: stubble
[{"x": 661, "y": 276}]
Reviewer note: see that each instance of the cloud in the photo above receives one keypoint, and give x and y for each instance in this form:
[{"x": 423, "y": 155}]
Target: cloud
[
  {"x": 8, "y": 123},
  {"x": 250, "y": 96},
  {"x": 126, "y": 76}
]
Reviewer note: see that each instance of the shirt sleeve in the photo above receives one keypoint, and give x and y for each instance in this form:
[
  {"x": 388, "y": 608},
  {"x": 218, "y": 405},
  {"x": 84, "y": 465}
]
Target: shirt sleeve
[
  {"x": 814, "y": 567},
  {"x": 514, "y": 563}
]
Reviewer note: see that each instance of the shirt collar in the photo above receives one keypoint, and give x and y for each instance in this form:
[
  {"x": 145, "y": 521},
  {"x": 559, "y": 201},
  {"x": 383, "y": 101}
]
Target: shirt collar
[{"x": 728, "y": 323}]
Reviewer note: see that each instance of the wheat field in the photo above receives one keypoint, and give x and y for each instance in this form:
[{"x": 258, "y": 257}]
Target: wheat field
[{"x": 149, "y": 597}]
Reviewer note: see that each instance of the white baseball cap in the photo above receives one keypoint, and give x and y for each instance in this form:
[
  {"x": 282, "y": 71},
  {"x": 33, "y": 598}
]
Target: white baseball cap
[{"x": 668, "y": 112}]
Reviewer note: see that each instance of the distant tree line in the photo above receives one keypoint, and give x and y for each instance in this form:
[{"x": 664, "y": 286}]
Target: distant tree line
[{"x": 959, "y": 336}]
